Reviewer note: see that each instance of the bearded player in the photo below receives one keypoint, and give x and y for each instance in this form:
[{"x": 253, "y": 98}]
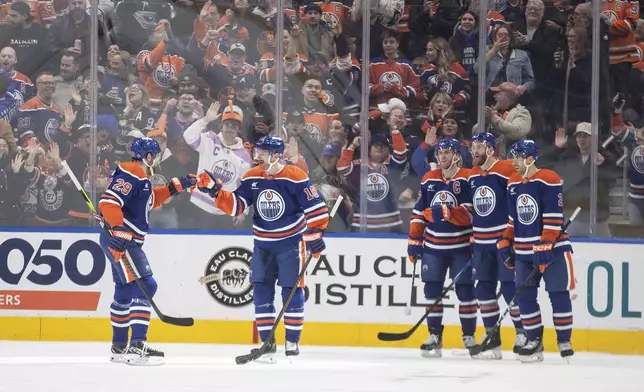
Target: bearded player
[{"x": 289, "y": 217}]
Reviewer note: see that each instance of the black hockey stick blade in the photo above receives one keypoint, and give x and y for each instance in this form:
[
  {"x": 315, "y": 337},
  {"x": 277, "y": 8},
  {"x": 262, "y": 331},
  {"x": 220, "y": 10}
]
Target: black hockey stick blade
[{"x": 178, "y": 321}]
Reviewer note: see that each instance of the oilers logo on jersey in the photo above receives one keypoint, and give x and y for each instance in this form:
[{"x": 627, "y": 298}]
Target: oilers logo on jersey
[
  {"x": 164, "y": 74},
  {"x": 270, "y": 205},
  {"x": 51, "y": 129},
  {"x": 224, "y": 170},
  {"x": 159, "y": 180},
  {"x": 377, "y": 187},
  {"x": 484, "y": 200},
  {"x": 527, "y": 209},
  {"x": 390, "y": 77},
  {"x": 444, "y": 197},
  {"x": 314, "y": 131},
  {"x": 637, "y": 159}
]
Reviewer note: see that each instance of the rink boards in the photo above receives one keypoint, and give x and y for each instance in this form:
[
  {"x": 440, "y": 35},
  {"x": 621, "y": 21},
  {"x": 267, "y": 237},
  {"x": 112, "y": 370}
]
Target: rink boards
[{"x": 57, "y": 286}]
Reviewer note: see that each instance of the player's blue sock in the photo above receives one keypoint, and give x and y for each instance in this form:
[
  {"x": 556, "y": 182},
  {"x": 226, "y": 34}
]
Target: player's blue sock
[
  {"x": 509, "y": 289},
  {"x": 531, "y": 313},
  {"x": 140, "y": 319},
  {"x": 264, "y": 295},
  {"x": 294, "y": 314},
  {"x": 435, "y": 318},
  {"x": 467, "y": 308},
  {"x": 489, "y": 306},
  {"x": 120, "y": 318},
  {"x": 562, "y": 315}
]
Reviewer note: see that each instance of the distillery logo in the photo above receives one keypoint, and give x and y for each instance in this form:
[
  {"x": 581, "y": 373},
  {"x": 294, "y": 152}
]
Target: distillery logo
[{"x": 231, "y": 267}]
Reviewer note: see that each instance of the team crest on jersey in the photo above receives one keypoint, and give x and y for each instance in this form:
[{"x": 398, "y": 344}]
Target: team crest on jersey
[
  {"x": 377, "y": 187},
  {"x": 224, "y": 170},
  {"x": 637, "y": 159},
  {"x": 314, "y": 131},
  {"x": 390, "y": 77},
  {"x": 484, "y": 200},
  {"x": 444, "y": 197},
  {"x": 159, "y": 180},
  {"x": 327, "y": 98},
  {"x": 444, "y": 87},
  {"x": 270, "y": 205},
  {"x": 329, "y": 18},
  {"x": 51, "y": 129},
  {"x": 233, "y": 288},
  {"x": 527, "y": 209},
  {"x": 164, "y": 73}
]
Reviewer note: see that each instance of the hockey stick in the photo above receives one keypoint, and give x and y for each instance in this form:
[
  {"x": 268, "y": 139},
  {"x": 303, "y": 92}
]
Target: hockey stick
[
  {"x": 477, "y": 349},
  {"x": 392, "y": 336},
  {"x": 256, "y": 353},
  {"x": 179, "y": 321},
  {"x": 413, "y": 287}
]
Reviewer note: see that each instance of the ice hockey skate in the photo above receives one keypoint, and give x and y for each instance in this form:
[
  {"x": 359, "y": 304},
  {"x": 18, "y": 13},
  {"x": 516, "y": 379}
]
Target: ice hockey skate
[
  {"x": 140, "y": 354},
  {"x": 532, "y": 351},
  {"x": 292, "y": 349},
  {"x": 269, "y": 355},
  {"x": 519, "y": 341},
  {"x": 566, "y": 351},
  {"x": 491, "y": 349},
  {"x": 432, "y": 348},
  {"x": 118, "y": 353}
]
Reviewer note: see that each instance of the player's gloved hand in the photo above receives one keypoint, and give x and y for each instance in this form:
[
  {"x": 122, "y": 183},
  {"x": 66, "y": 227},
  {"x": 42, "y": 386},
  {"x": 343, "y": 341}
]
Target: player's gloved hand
[
  {"x": 434, "y": 214},
  {"x": 543, "y": 254},
  {"x": 414, "y": 248},
  {"x": 504, "y": 252},
  {"x": 180, "y": 184},
  {"x": 314, "y": 241},
  {"x": 209, "y": 184},
  {"x": 121, "y": 237}
]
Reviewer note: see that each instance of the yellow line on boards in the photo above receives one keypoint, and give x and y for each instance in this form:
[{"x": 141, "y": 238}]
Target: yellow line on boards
[{"x": 314, "y": 333}]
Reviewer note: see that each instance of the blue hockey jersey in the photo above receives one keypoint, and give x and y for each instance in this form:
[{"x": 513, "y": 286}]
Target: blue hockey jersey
[
  {"x": 443, "y": 236},
  {"x": 129, "y": 197},
  {"x": 286, "y": 204},
  {"x": 489, "y": 203},
  {"x": 536, "y": 212}
]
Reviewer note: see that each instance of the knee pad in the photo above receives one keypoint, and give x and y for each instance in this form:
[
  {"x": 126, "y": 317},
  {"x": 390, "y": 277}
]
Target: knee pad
[
  {"x": 485, "y": 290},
  {"x": 123, "y": 293},
  {"x": 508, "y": 289},
  {"x": 527, "y": 301},
  {"x": 263, "y": 294},
  {"x": 297, "y": 302},
  {"x": 433, "y": 290},
  {"x": 465, "y": 292},
  {"x": 150, "y": 286}
]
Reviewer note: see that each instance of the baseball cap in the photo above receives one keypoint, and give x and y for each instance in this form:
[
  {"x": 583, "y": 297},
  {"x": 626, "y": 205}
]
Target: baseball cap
[
  {"x": 507, "y": 87},
  {"x": 237, "y": 47},
  {"x": 333, "y": 149},
  {"x": 393, "y": 103},
  {"x": 269, "y": 89},
  {"x": 232, "y": 112},
  {"x": 584, "y": 127},
  {"x": 245, "y": 81}
]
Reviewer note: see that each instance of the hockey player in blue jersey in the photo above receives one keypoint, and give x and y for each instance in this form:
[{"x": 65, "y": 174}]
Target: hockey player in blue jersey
[
  {"x": 536, "y": 216},
  {"x": 289, "y": 217},
  {"x": 488, "y": 186},
  {"x": 439, "y": 232},
  {"x": 124, "y": 207}
]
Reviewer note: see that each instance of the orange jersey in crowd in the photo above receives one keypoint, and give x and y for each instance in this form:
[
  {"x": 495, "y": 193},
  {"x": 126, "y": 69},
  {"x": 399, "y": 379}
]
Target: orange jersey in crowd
[
  {"x": 42, "y": 12},
  {"x": 158, "y": 70},
  {"x": 332, "y": 11},
  {"x": 623, "y": 15}
]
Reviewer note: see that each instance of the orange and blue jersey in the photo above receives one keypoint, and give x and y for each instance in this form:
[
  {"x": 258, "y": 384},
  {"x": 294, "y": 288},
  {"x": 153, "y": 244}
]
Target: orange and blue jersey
[
  {"x": 128, "y": 199},
  {"x": 535, "y": 213},
  {"x": 488, "y": 190},
  {"x": 286, "y": 205},
  {"x": 443, "y": 235}
]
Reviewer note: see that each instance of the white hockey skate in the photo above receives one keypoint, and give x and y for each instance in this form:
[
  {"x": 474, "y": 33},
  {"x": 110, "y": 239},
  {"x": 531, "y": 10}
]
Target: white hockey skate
[
  {"x": 532, "y": 351},
  {"x": 519, "y": 341},
  {"x": 118, "y": 353},
  {"x": 432, "y": 348},
  {"x": 140, "y": 354},
  {"x": 566, "y": 351}
]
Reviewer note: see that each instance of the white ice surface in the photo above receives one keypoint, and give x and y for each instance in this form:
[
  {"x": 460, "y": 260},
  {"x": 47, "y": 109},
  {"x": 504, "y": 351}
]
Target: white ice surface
[{"x": 84, "y": 367}]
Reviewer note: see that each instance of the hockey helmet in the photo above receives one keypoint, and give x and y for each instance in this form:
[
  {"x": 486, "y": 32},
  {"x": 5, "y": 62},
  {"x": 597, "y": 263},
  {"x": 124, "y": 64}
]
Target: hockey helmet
[
  {"x": 524, "y": 149},
  {"x": 271, "y": 144},
  {"x": 449, "y": 144},
  {"x": 485, "y": 137},
  {"x": 142, "y": 146}
]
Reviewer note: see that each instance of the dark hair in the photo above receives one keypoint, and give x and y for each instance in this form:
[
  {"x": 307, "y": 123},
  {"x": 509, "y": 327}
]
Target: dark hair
[
  {"x": 476, "y": 17},
  {"x": 389, "y": 34}
]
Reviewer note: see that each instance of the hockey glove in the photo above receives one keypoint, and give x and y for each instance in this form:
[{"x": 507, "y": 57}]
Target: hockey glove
[
  {"x": 177, "y": 185},
  {"x": 434, "y": 214},
  {"x": 121, "y": 237},
  {"x": 543, "y": 254},
  {"x": 505, "y": 254},
  {"x": 314, "y": 242},
  {"x": 414, "y": 248},
  {"x": 209, "y": 184}
]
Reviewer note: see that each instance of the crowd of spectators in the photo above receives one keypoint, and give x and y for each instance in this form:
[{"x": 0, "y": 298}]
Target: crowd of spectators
[{"x": 200, "y": 78}]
